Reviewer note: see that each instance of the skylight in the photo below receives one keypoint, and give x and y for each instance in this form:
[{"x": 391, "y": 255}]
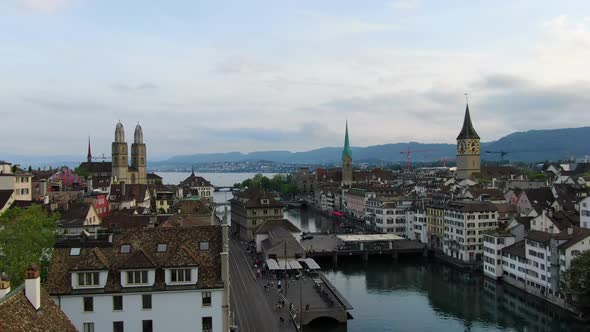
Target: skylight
[
  {"x": 162, "y": 247},
  {"x": 74, "y": 251},
  {"x": 125, "y": 248}
]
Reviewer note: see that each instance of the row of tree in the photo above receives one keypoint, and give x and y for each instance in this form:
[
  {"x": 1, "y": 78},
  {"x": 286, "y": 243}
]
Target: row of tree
[
  {"x": 26, "y": 236},
  {"x": 282, "y": 183}
]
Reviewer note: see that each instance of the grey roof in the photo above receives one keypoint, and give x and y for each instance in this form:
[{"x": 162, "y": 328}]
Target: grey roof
[{"x": 517, "y": 249}]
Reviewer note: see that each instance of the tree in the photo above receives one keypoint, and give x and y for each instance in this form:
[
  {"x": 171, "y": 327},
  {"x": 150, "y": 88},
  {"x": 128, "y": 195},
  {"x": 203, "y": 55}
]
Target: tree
[
  {"x": 575, "y": 282},
  {"x": 26, "y": 236}
]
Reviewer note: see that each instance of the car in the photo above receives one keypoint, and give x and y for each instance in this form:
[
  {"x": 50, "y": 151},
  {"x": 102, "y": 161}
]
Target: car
[{"x": 307, "y": 237}]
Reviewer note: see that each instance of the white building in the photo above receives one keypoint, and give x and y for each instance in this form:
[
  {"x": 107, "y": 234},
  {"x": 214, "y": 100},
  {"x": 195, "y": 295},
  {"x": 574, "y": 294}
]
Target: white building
[
  {"x": 493, "y": 244},
  {"x": 155, "y": 279},
  {"x": 417, "y": 226},
  {"x": 387, "y": 217},
  {"x": 585, "y": 212},
  {"x": 514, "y": 263},
  {"x": 464, "y": 225}
]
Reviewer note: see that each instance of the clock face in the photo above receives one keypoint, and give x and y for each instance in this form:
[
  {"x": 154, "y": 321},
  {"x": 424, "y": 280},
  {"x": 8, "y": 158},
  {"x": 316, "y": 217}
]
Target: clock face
[
  {"x": 472, "y": 146},
  {"x": 461, "y": 146}
]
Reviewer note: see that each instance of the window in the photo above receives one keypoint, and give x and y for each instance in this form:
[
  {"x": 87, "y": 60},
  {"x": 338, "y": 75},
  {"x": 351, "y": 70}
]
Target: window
[
  {"x": 146, "y": 301},
  {"x": 125, "y": 248},
  {"x": 162, "y": 247},
  {"x": 207, "y": 323},
  {"x": 117, "y": 326},
  {"x": 117, "y": 302},
  {"x": 147, "y": 326},
  {"x": 88, "y": 327},
  {"x": 204, "y": 245},
  {"x": 180, "y": 275},
  {"x": 74, "y": 251},
  {"x": 206, "y": 299},
  {"x": 88, "y": 303},
  {"x": 88, "y": 278},
  {"x": 137, "y": 277}
]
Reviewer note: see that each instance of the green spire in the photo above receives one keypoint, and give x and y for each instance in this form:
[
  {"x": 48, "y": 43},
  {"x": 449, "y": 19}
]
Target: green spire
[{"x": 346, "y": 152}]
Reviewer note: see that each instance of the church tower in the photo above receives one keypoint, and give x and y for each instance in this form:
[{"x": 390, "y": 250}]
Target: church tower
[
  {"x": 138, "y": 156},
  {"x": 346, "y": 161},
  {"x": 468, "y": 153},
  {"x": 120, "y": 164}
]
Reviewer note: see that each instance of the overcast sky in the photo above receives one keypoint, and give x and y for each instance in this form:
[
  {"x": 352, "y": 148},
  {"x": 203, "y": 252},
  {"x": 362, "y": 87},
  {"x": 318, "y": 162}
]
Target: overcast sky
[{"x": 220, "y": 76}]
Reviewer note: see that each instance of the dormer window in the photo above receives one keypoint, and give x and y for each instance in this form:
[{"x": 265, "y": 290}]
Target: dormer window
[
  {"x": 264, "y": 201},
  {"x": 180, "y": 275},
  {"x": 86, "y": 279},
  {"x": 74, "y": 251},
  {"x": 137, "y": 277},
  {"x": 125, "y": 248},
  {"x": 162, "y": 247}
]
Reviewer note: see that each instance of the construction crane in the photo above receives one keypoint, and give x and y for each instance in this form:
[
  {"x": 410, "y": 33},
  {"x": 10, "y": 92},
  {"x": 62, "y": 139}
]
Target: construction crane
[
  {"x": 445, "y": 159},
  {"x": 102, "y": 158},
  {"x": 408, "y": 154}
]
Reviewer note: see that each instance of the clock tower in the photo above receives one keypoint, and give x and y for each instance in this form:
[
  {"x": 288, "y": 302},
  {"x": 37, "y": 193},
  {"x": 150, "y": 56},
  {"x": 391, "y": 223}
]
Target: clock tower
[{"x": 468, "y": 153}]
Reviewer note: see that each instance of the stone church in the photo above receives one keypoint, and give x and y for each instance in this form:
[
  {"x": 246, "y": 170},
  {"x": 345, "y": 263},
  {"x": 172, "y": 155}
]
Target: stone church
[{"x": 122, "y": 172}]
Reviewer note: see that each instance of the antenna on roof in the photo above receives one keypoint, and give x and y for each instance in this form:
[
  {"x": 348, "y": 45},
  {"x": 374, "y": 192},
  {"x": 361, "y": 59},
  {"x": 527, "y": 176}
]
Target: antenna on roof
[{"x": 466, "y": 98}]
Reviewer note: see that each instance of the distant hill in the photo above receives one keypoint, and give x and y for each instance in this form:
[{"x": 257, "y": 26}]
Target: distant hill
[{"x": 532, "y": 145}]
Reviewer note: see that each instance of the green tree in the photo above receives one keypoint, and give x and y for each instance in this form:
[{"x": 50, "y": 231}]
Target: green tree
[
  {"x": 575, "y": 282},
  {"x": 26, "y": 236}
]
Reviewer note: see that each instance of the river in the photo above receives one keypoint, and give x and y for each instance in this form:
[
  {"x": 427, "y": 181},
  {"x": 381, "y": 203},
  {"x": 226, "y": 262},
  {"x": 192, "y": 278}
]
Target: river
[{"x": 417, "y": 294}]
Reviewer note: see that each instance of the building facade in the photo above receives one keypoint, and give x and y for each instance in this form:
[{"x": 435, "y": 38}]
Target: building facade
[
  {"x": 464, "y": 226},
  {"x": 468, "y": 149},
  {"x": 155, "y": 279},
  {"x": 250, "y": 209}
]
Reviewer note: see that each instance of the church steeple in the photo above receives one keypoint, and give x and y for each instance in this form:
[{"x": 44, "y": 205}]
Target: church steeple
[
  {"x": 467, "y": 132},
  {"x": 346, "y": 160},
  {"x": 346, "y": 152},
  {"x": 89, "y": 156}
]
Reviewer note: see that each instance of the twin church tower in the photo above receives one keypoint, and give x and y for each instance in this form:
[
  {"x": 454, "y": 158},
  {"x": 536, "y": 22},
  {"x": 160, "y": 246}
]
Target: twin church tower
[
  {"x": 468, "y": 152},
  {"x": 121, "y": 171}
]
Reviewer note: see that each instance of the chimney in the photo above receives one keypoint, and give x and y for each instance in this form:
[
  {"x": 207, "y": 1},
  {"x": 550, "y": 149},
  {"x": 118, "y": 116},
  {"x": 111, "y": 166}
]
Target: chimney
[
  {"x": 570, "y": 230},
  {"x": 550, "y": 212},
  {"x": 122, "y": 189},
  {"x": 4, "y": 285},
  {"x": 33, "y": 286}
]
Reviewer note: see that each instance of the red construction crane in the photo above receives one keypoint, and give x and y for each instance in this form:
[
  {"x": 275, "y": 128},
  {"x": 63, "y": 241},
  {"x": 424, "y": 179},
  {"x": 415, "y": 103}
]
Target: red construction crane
[
  {"x": 445, "y": 159},
  {"x": 409, "y": 155}
]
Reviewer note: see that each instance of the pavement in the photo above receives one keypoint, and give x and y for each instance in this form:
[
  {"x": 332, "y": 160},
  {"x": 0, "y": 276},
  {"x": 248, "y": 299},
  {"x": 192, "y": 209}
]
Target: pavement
[{"x": 253, "y": 306}]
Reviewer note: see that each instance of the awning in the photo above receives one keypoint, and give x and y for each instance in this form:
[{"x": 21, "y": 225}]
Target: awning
[
  {"x": 295, "y": 265},
  {"x": 272, "y": 264},
  {"x": 282, "y": 264},
  {"x": 311, "y": 264}
]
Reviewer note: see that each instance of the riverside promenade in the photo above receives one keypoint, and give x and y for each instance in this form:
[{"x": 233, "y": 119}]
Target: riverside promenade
[{"x": 258, "y": 304}]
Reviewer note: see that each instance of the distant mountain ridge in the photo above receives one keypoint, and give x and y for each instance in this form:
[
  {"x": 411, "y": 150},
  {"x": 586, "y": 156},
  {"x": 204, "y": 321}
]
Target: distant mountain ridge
[{"x": 532, "y": 145}]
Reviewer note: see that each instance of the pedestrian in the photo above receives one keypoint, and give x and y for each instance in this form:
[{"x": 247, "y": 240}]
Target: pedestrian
[
  {"x": 279, "y": 284},
  {"x": 281, "y": 319},
  {"x": 265, "y": 288}
]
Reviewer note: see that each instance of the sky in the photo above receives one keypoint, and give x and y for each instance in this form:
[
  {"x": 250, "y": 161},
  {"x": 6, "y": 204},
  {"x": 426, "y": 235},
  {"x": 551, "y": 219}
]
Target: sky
[{"x": 221, "y": 76}]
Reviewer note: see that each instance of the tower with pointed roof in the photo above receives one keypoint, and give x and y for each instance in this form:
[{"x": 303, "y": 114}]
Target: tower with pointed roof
[
  {"x": 89, "y": 156},
  {"x": 346, "y": 160},
  {"x": 468, "y": 149},
  {"x": 121, "y": 171},
  {"x": 119, "y": 154},
  {"x": 138, "y": 156}
]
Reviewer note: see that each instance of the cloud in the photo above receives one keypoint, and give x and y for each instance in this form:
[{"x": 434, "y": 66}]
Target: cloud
[
  {"x": 405, "y": 4},
  {"x": 46, "y": 6},
  {"x": 242, "y": 65},
  {"x": 65, "y": 105},
  {"x": 141, "y": 87}
]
